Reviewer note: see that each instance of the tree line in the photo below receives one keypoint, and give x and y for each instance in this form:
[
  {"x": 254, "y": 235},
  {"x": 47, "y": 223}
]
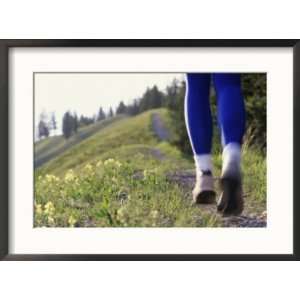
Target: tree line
[
  {"x": 70, "y": 122},
  {"x": 152, "y": 98}
]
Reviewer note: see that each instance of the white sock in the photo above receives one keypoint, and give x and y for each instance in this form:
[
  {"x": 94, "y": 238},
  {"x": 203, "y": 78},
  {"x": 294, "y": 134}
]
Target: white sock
[
  {"x": 231, "y": 154},
  {"x": 203, "y": 162}
]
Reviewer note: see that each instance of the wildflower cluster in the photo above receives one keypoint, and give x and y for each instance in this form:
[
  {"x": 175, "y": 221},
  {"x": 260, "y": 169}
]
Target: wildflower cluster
[
  {"x": 58, "y": 199},
  {"x": 44, "y": 214},
  {"x": 101, "y": 193}
]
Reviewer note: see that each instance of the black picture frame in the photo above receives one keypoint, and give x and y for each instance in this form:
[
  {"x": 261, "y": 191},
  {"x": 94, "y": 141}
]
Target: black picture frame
[{"x": 5, "y": 45}]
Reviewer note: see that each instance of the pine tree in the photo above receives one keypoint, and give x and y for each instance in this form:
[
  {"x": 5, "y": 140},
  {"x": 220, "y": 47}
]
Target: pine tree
[
  {"x": 101, "y": 115},
  {"x": 178, "y": 121},
  {"x": 145, "y": 101},
  {"x": 75, "y": 122},
  {"x": 121, "y": 109},
  {"x": 67, "y": 125},
  {"x": 43, "y": 129},
  {"x": 155, "y": 97},
  {"x": 172, "y": 91},
  {"x": 152, "y": 98},
  {"x": 53, "y": 123},
  {"x": 83, "y": 120},
  {"x": 133, "y": 109},
  {"x": 111, "y": 112}
]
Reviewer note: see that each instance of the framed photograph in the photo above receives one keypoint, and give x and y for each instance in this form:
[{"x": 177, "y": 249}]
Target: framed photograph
[{"x": 149, "y": 149}]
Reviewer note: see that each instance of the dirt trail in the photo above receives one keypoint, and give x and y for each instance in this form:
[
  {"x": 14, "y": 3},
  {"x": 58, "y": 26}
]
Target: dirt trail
[
  {"x": 186, "y": 179},
  {"x": 159, "y": 128},
  {"x": 161, "y": 132}
]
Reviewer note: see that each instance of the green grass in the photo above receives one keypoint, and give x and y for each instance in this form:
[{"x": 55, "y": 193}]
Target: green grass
[
  {"x": 117, "y": 177},
  {"x": 48, "y": 148}
]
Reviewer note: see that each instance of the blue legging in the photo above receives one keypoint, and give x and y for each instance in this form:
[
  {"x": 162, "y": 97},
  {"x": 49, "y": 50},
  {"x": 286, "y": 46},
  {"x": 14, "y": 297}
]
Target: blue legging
[{"x": 230, "y": 107}]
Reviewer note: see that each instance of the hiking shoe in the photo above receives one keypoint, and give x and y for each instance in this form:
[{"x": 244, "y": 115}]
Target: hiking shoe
[
  {"x": 231, "y": 199},
  {"x": 204, "y": 192}
]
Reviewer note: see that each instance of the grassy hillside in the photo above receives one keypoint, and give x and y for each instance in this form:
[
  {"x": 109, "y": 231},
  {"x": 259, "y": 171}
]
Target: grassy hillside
[
  {"x": 51, "y": 147},
  {"x": 123, "y": 175}
]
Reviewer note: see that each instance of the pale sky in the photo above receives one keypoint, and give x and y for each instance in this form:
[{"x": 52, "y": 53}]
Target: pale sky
[{"x": 86, "y": 92}]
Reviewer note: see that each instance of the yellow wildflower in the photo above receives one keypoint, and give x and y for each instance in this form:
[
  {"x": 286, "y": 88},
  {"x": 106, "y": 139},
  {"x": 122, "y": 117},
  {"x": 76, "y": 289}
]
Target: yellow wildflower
[
  {"x": 99, "y": 163},
  {"x": 88, "y": 167},
  {"x": 145, "y": 173},
  {"x": 70, "y": 175},
  {"x": 38, "y": 209},
  {"x": 51, "y": 178},
  {"x": 49, "y": 208},
  {"x": 121, "y": 214},
  {"x": 154, "y": 214},
  {"x": 112, "y": 161},
  {"x": 72, "y": 221},
  {"x": 109, "y": 161},
  {"x": 51, "y": 221}
]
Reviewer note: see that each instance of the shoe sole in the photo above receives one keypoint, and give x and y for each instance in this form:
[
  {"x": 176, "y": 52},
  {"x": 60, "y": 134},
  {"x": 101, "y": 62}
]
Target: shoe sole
[
  {"x": 231, "y": 199},
  {"x": 205, "y": 197}
]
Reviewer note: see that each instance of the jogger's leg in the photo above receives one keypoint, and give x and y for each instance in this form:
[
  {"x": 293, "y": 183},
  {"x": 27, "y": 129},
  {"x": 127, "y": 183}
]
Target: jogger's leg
[
  {"x": 198, "y": 118},
  {"x": 231, "y": 114},
  {"x": 231, "y": 117},
  {"x": 199, "y": 126},
  {"x": 231, "y": 108}
]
